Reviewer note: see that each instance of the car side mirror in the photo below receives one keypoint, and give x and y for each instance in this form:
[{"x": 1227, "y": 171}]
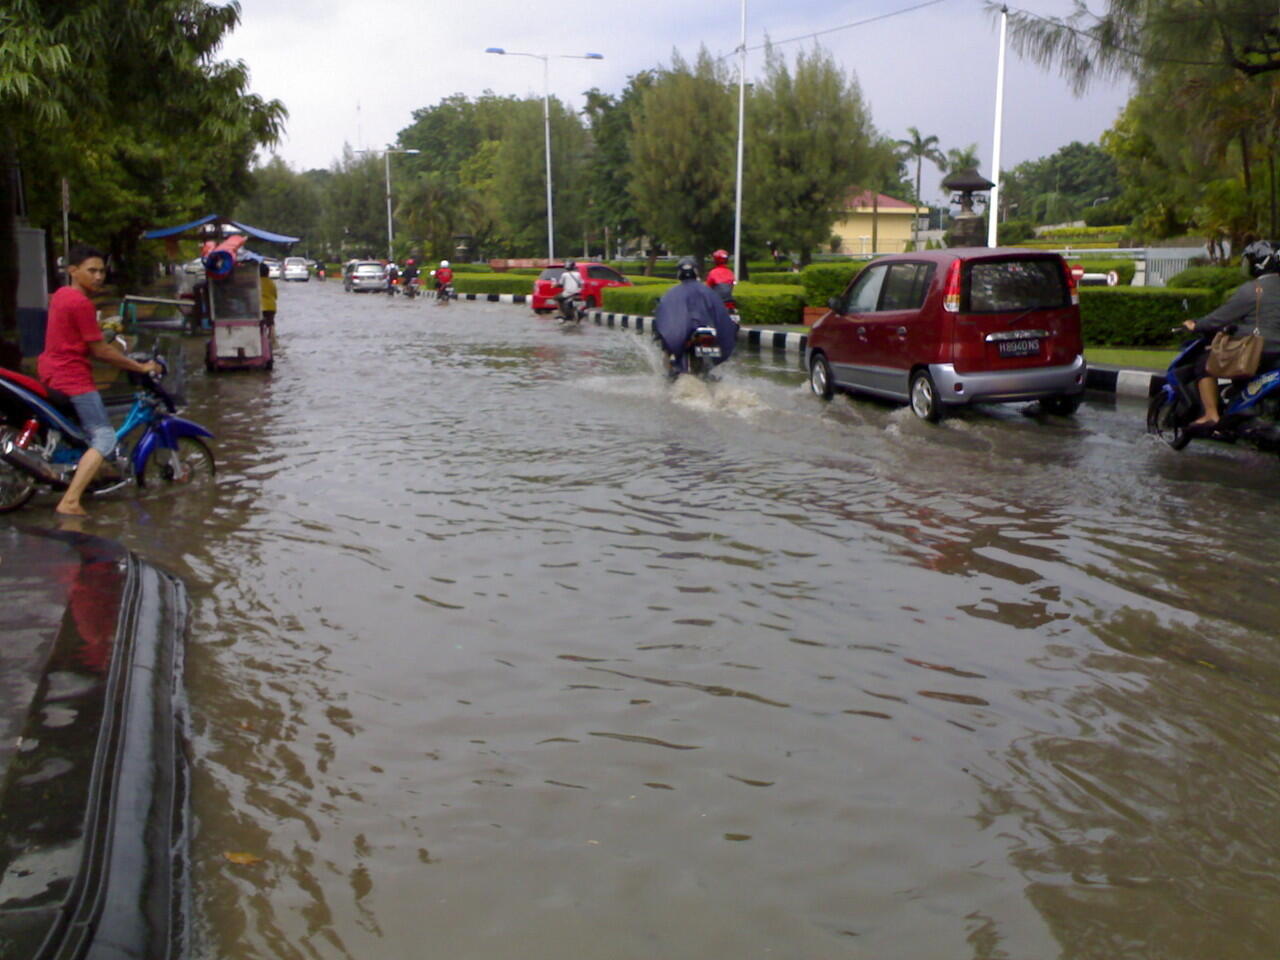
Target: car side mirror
[{"x": 834, "y": 304}]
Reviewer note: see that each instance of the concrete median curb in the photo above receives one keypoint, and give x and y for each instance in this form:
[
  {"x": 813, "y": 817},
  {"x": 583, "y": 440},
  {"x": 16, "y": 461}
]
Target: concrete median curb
[{"x": 1126, "y": 383}]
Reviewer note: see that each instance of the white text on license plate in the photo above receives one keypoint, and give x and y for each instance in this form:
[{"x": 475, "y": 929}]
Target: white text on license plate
[
  {"x": 1019, "y": 348},
  {"x": 707, "y": 351}
]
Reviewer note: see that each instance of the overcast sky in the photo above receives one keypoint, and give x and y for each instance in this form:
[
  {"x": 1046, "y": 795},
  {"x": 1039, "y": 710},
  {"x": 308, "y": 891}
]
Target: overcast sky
[{"x": 353, "y": 71}]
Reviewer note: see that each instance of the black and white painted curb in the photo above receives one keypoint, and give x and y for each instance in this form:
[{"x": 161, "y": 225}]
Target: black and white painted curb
[{"x": 1125, "y": 383}]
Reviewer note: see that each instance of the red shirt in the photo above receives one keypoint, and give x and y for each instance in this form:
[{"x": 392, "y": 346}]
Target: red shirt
[
  {"x": 719, "y": 275},
  {"x": 444, "y": 275},
  {"x": 73, "y": 325}
]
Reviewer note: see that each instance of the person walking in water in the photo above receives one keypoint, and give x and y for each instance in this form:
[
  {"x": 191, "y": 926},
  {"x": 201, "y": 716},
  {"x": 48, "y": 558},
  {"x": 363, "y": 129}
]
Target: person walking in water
[{"x": 71, "y": 339}]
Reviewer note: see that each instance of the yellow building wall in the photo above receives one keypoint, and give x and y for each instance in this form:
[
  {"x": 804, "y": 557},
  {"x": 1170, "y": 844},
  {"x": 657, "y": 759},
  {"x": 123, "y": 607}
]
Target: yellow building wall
[{"x": 892, "y": 235}]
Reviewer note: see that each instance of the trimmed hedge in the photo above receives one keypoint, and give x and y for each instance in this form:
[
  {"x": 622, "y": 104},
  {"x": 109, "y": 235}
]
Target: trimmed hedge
[
  {"x": 769, "y": 303},
  {"x": 640, "y": 281},
  {"x": 472, "y": 268},
  {"x": 822, "y": 281},
  {"x": 776, "y": 277},
  {"x": 491, "y": 283},
  {"x": 1139, "y": 316},
  {"x": 757, "y": 302},
  {"x": 1221, "y": 280}
]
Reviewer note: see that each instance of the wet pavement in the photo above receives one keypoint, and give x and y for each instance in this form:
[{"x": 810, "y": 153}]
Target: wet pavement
[{"x": 502, "y": 647}]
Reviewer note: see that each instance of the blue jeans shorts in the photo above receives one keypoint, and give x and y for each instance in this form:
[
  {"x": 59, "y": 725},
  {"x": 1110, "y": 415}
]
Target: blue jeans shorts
[{"x": 93, "y": 417}]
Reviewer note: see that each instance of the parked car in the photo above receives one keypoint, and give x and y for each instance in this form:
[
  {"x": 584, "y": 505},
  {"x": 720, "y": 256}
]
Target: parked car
[
  {"x": 944, "y": 328},
  {"x": 360, "y": 276},
  {"x": 296, "y": 268},
  {"x": 595, "y": 277},
  {"x": 273, "y": 268}
]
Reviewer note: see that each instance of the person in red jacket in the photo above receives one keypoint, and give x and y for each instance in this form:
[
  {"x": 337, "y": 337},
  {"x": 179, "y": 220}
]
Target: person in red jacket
[
  {"x": 444, "y": 277},
  {"x": 72, "y": 337},
  {"x": 721, "y": 278}
]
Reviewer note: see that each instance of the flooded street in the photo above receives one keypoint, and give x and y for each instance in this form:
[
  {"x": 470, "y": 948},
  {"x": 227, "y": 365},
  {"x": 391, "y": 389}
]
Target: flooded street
[{"x": 501, "y": 647}]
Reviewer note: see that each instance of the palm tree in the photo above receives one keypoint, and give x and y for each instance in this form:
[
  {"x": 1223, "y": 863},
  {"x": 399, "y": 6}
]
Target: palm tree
[
  {"x": 920, "y": 149},
  {"x": 962, "y": 158}
]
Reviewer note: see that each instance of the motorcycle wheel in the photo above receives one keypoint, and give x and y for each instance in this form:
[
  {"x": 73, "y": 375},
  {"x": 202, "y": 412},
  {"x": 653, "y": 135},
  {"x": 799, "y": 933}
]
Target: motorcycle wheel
[
  {"x": 1165, "y": 420},
  {"x": 194, "y": 466},
  {"x": 16, "y": 488}
]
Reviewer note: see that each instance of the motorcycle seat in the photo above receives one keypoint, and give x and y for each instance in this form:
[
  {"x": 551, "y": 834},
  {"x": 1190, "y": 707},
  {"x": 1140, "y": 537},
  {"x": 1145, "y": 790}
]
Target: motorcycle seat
[{"x": 55, "y": 398}]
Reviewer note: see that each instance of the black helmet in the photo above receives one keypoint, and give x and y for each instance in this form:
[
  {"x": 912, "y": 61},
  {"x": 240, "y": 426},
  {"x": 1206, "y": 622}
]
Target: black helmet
[
  {"x": 569, "y": 264},
  {"x": 687, "y": 269},
  {"x": 1260, "y": 257}
]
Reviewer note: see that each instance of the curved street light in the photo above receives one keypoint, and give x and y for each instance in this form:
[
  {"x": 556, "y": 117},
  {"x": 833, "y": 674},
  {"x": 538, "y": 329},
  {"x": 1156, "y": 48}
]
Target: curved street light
[{"x": 546, "y": 119}]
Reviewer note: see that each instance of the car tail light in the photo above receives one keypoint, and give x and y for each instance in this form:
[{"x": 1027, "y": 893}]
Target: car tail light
[
  {"x": 951, "y": 295},
  {"x": 1073, "y": 283}
]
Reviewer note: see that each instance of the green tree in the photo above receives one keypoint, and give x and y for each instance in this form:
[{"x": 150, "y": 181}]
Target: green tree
[
  {"x": 682, "y": 156},
  {"x": 283, "y": 201},
  {"x": 809, "y": 143},
  {"x": 962, "y": 158},
  {"x": 920, "y": 148},
  {"x": 609, "y": 121}
]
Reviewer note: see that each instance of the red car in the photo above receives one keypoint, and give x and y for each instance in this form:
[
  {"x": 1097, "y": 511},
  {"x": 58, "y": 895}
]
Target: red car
[
  {"x": 942, "y": 328},
  {"x": 595, "y": 277}
]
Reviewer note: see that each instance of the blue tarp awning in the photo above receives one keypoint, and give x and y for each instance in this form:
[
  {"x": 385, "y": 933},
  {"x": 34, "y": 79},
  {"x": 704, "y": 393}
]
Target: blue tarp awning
[{"x": 258, "y": 232}]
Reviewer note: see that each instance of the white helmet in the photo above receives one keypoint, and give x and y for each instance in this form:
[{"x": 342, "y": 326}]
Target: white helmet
[{"x": 444, "y": 263}]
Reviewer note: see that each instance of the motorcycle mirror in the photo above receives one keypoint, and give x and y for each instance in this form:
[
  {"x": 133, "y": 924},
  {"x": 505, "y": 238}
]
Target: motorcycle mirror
[
  {"x": 1186, "y": 307},
  {"x": 834, "y": 304}
]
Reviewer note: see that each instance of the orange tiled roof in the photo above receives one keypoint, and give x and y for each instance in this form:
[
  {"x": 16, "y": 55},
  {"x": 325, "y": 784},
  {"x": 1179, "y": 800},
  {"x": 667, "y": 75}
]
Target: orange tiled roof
[{"x": 863, "y": 200}]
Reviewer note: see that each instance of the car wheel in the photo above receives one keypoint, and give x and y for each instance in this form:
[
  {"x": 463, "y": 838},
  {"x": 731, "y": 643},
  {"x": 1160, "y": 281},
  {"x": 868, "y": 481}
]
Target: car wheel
[
  {"x": 1061, "y": 405},
  {"x": 820, "y": 377},
  {"x": 924, "y": 397}
]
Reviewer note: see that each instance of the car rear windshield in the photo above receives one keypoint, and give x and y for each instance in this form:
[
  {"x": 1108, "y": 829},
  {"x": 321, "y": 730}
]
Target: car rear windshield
[
  {"x": 1002, "y": 286},
  {"x": 295, "y": 262},
  {"x": 553, "y": 274}
]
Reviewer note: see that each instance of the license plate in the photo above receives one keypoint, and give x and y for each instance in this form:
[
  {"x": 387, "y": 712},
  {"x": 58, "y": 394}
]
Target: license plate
[
  {"x": 706, "y": 351},
  {"x": 1019, "y": 348}
]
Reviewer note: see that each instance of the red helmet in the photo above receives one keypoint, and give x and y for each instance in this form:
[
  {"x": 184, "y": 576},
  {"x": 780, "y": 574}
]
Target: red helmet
[
  {"x": 409, "y": 262},
  {"x": 720, "y": 256}
]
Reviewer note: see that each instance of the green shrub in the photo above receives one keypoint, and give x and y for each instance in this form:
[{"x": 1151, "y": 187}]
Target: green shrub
[
  {"x": 471, "y": 268},
  {"x": 770, "y": 304},
  {"x": 1139, "y": 316},
  {"x": 822, "y": 281},
  {"x": 1124, "y": 267},
  {"x": 775, "y": 277},
  {"x": 1221, "y": 280},
  {"x": 1014, "y": 231},
  {"x": 638, "y": 300},
  {"x": 491, "y": 283},
  {"x": 1096, "y": 234},
  {"x": 640, "y": 281}
]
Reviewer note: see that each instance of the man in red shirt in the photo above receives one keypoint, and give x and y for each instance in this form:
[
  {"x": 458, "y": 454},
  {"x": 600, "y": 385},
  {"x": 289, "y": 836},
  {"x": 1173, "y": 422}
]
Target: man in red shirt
[
  {"x": 444, "y": 277},
  {"x": 721, "y": 278},
  {"x": 71, "y": 338}
]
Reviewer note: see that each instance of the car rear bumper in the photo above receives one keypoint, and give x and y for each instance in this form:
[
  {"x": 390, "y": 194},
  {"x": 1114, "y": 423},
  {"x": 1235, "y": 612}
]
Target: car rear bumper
[{"x": 1007, "y": 385}]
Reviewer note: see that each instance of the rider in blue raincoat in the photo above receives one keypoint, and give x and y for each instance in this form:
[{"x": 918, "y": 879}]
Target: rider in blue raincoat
[{"x": 687, "y": 306}]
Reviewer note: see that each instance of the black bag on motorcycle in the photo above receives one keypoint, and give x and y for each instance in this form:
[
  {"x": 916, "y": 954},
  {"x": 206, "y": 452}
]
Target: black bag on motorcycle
[{"x": 1231, "y": 357}]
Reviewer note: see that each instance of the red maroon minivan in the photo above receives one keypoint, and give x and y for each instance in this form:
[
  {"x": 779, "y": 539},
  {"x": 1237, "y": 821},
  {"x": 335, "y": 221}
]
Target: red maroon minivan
[{"x": 944, "y": 328}]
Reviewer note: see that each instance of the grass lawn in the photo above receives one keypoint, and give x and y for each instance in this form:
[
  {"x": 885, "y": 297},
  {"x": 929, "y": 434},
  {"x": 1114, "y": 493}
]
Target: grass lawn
[{"x": 1130, "y": 358}]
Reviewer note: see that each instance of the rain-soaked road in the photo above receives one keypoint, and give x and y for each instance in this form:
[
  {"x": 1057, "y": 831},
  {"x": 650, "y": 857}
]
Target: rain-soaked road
[{"x": 502, "y": 648}]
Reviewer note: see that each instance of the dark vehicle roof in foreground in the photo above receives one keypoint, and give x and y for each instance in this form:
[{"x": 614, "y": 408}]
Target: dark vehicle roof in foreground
[
  {"x": 93, "y": 785},
  {"x": 967, "y": 253}
]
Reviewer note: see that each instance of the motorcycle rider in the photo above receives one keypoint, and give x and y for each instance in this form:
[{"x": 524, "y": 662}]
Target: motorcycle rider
[
  {"x": 72, "y": 337},
  {"x": 721, "y": 278},
  {"x": 410, "y": 275},
  {"x": 1256, "y": 302},
  {"x": 444, "y": 277},
  {"x": 687, "y": 306},
  {"x": 570, "y": 287},
  {"x": 392, "y": 274}
]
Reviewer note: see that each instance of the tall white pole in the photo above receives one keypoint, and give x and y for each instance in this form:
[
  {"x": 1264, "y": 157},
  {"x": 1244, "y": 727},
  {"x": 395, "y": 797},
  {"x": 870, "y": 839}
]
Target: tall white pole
[
  {"x": 742, "y": 113},
  {"x": 546, "y": 122},
  {"x": 993, "y": 208},
  {"x": 390, "y": 255}
]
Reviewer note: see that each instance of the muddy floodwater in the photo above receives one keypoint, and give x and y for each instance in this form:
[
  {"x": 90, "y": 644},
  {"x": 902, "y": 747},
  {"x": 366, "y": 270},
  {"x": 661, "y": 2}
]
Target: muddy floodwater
[{"x": 503, "y": 648}]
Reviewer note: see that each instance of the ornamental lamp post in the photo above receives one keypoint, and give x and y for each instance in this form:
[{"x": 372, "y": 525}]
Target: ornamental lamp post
[{"x": 546, "y": 120}]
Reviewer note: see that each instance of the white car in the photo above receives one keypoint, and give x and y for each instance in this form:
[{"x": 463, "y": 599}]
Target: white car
[
  {"x": 295, "y": 268},
  {"x": 273, "y": 268}
]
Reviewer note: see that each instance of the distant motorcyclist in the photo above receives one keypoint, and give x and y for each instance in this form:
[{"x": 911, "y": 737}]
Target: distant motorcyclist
[
  {"x": 444, "y": 277},
  {"x": 1256, "y": 302},
  {"x": 687, "y": 306},
  {"x": 721, "y": 278},
  {"x": 392, "y": 274},
  {"x": 410, "y": 276},
  {"x": 570, "y": 287}
]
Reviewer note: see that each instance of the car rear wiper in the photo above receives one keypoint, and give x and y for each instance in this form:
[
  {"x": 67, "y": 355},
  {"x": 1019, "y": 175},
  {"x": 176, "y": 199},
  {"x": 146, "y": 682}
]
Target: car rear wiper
[{"x": 1024, "y": 314}]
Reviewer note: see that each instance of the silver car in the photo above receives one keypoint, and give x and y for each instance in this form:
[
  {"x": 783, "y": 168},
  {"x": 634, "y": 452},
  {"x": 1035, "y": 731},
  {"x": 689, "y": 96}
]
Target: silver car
[
  {"x": 365, "y": 275},
  {"x": 295, "y": 268}
]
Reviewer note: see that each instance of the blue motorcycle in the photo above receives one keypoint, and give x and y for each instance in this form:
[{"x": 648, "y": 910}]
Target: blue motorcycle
[
  {"x": 41, "y": 442},
  {"x": 1250, "y": 409}
]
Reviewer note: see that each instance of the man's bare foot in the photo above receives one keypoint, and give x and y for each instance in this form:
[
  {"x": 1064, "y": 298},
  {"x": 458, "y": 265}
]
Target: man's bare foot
[{"x": 77, "y": 511}]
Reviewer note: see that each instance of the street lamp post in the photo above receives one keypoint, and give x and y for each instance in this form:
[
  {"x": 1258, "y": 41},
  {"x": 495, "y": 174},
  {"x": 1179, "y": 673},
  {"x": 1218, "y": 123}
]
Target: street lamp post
[
  {"x": 546, "y": 120},
  {"x": 387, "y": 152}
]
